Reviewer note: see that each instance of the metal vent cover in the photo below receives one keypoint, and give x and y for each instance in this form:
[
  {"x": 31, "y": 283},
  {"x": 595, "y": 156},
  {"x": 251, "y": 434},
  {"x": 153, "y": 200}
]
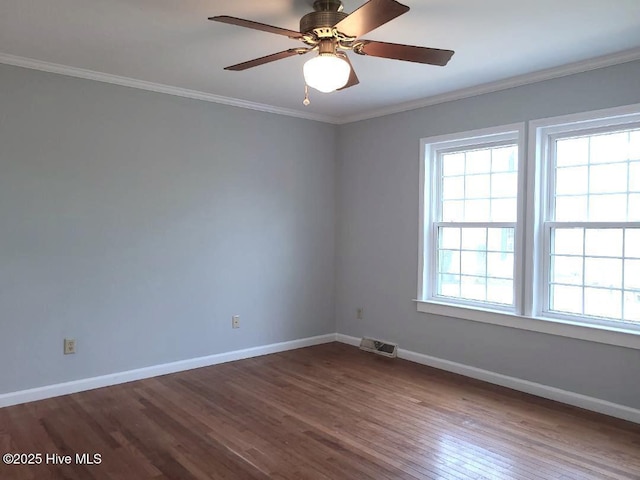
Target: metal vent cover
[{"x": 380, "y": 347}]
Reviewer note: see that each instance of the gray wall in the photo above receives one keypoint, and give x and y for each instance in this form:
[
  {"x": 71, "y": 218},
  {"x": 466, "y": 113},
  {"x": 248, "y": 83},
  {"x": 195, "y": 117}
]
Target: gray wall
[
  {"x": 139, "y": 223},
  {"x": 377, "y": 239}
]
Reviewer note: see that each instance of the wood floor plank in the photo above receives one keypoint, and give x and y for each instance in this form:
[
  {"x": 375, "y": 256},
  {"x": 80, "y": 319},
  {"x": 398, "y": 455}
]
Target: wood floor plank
[{"x": 320, "y": 413}]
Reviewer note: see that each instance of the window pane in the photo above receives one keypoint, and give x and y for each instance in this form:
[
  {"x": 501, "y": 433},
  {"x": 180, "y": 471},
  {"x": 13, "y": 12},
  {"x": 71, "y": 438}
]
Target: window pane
[
  {"x": 634, "y": 177},
  {"x": 449, "y": 285},
  {"x": 500, "y": 239},
  {"x": 474, "y": 238},
  {"x": 571, "y": 209},
  {"x": 449, "y": 261},
  {"x": 609, "y": 147},
  {"x": 572, "y": 151},
  {"x": 603, "y": 242},
  {"x": 603, "y": 303},
  {"x": 566, "y": 299},
  {"x": 453, "y": 188},
  {"x": 453, "y": 164},
  {"x": 608, "y": 178},
  {"x": 504, "y": 159},
  {"x": 634, "y": 207},
  {"x": 474, "y": 263},
  {"x": 477, "y": 210},
  {"x": 504, "y": 185},
  {"x": 477, "y": 186},
  {"x": 603, "y": 272},
  {"x": 632, "y": 306},
  {"x": 608, "y": 208},
  {"x": 567, "y": 241},
  {"x": 500, "y": 291},
  {"x": 500, "y": 265},
  {"x": 504, "y": 210},
  {"x": 473, "y": 288},
  {"x": 566, "y": 270},
  {"x": 632, "y": 274},
  {"x": 478, "y": 161},
  {"x": 452, "y": 211},
  {"x": 632, "y": 243},
  {"x": 572, "y": 181},
  {"x": 450, "y": 238},
  {"x": 634, "y": 145}
]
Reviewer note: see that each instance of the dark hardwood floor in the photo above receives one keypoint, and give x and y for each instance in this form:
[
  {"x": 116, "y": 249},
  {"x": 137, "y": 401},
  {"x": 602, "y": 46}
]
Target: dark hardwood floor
[{"x": 325, "y": 412}]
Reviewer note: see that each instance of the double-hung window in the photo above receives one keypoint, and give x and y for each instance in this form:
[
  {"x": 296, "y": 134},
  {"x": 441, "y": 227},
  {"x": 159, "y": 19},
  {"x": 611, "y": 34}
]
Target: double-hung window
[
  {"x": 591, "y": 222},
  {"x": 543, "y": 236},
  {"x": 471, "y": 233}
]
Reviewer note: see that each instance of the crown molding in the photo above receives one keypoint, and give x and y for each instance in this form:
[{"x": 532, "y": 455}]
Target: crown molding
[
  {"x": 157, "y": 87},
  {"x": 517, "y": 81}
]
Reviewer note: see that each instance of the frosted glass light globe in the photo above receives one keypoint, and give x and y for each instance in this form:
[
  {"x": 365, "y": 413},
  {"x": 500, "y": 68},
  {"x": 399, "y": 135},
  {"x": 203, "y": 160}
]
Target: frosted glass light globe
[{"x": 326, "y": 73}]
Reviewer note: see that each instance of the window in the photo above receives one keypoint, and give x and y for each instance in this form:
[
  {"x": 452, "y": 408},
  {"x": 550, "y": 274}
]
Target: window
[
  {"x": 473, "y": 221},
  {"x": 544, "y": 236},
  {"x": 592, "y": 225}
]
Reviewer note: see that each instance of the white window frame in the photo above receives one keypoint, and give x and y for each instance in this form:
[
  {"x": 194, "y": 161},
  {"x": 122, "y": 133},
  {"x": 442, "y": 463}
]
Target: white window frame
[
  {"x": 533, "y": 173},
  {"x": 430, "y": 202}
]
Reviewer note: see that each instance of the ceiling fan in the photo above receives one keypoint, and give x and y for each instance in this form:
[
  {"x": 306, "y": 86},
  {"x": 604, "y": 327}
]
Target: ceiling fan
[{"x": 331, "y": 32}]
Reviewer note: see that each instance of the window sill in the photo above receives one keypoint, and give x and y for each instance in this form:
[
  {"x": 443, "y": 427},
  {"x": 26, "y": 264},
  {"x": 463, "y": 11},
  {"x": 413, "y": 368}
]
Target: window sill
[{"x": 564, "y": 328}]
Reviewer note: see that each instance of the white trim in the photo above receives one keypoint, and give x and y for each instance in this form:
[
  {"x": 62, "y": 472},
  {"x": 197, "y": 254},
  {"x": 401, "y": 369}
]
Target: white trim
[
  {"x": 157, "y": 87},
  {"x": 49, "y": 391},
  {"x": 349, "y": 340},
  {"x": 552, "y": 326},
  {"x": 517, "y": 81},
  {"x": 538, "y": 389},
  {"x": 526, "y": 79},
  {"x": 498, "y": 133},
  {"x": 591, "y": 119}
]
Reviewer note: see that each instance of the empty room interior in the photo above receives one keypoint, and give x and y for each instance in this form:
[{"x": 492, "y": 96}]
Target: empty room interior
[{"x": 298, "y": 239}]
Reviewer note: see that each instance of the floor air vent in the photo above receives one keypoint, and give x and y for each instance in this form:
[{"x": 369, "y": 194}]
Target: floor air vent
[{"x": 378, "y": 346}]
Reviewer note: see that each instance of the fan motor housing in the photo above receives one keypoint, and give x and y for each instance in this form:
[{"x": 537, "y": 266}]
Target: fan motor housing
[{"x": 327, "y": 14}]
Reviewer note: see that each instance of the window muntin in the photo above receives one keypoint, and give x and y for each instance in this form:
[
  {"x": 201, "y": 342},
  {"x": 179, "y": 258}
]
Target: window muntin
[{"x": 592, "y": 226}]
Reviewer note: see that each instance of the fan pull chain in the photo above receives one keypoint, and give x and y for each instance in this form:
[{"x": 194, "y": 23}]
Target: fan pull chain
[{"x": 306, "y": 100}]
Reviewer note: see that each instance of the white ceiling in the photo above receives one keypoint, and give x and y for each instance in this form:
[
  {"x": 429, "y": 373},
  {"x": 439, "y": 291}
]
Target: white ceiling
[{"x": 171, "y": 42}]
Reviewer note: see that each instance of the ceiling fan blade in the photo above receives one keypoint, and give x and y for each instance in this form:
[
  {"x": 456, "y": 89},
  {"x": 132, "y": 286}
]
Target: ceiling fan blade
[
  {"x": 408, "y": 53},
  {"x": 268, "y": 59},
  {"x": 256, "y": 26},
  {"x": 370, "y": 16},
  {"x": 353, "y": 78}
]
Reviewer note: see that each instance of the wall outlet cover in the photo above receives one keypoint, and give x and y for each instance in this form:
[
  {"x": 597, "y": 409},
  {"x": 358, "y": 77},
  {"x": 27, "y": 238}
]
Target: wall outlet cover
[{"x": 69, "y": 346}]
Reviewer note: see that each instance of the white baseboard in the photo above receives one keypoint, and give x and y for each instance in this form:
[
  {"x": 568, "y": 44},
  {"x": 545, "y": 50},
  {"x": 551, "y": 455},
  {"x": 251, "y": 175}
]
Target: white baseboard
[
  {"x": 545, "y": 391},
  {"x": 347, "y": 339},
  {"x": 49, "y": 391}
]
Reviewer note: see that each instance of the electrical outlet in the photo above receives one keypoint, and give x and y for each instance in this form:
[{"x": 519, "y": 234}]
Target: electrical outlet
[
  {"x": 69, "y": 346},
  {"x": 360, "y": 313},
  {"x": 235, "y": 321}
]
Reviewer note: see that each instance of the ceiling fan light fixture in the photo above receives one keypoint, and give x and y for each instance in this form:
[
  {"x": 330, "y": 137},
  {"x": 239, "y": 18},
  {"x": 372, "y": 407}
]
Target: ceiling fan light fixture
[{"x": 327, "y": 72}]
